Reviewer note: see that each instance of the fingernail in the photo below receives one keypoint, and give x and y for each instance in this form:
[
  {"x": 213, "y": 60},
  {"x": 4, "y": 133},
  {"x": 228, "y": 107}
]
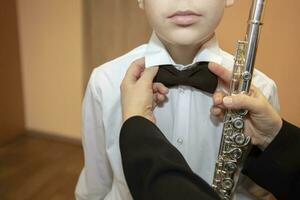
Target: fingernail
[{"x": 227, "y": 101}]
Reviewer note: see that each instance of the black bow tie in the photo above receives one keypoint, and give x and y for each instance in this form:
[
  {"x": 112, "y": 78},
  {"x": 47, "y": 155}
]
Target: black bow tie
[{"x": 197, "y": 76}]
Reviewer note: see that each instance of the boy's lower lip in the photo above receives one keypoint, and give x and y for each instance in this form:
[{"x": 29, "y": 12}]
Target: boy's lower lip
[{"x": 184, "y": 20}]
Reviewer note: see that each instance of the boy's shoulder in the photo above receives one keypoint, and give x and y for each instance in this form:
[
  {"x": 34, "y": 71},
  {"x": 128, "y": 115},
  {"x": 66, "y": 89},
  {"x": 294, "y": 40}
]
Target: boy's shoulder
[
  {"x": 106, "y": 79},
  {"x": 113, "y": 71}
]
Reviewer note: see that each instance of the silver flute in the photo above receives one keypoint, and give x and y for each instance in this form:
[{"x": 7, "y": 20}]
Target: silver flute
[{"x": 234, "y": 143}]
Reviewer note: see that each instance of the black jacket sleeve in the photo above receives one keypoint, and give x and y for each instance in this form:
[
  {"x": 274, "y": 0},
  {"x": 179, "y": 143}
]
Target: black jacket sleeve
[
  {"x": 277, "y": 169},
  {"x": 154, "y": 168}
]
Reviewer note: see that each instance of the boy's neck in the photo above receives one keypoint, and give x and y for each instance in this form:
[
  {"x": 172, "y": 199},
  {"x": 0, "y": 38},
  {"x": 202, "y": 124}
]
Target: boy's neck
[{"x": 184, "y": 54}]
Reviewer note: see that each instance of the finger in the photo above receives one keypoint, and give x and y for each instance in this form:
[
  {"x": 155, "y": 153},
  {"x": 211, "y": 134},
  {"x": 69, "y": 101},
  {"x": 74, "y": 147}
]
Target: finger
[
  {"x": 223, "y": 74},
  {"x": 255, "y": 92},
  {"x": 242, "y": 101},
  {"x": 161, "y": 88},
  {"x": 135, "y": 70},
  {"x": 149, "y": 74},
  {"x": 160, "y": 98},
  {"x": 221, "y": 116},
  {"x": 218, "y": 114},
  {"x": 216, "y": 111},
  {"x": 218, "y": 98}
]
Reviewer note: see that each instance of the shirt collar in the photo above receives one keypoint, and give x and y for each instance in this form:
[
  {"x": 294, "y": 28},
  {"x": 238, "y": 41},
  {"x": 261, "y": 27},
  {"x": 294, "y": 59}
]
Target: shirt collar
[{"x": 157, "y": 54}]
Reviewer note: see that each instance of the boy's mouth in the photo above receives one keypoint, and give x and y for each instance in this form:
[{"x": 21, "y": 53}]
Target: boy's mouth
[{"x": 184, "y": 18}]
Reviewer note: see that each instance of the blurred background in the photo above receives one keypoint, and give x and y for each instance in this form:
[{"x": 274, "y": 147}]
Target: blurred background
[{"x": 48, "y": 49}]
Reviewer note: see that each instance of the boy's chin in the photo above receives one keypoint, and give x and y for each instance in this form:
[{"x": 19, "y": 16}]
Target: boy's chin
[
  {"x": 186, "y": 42},
  {"x": 185, "y": 38}
]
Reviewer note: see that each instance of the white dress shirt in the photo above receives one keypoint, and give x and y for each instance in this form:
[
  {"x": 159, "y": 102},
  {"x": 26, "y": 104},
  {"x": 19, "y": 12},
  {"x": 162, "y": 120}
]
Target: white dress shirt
[{"x": 184, "y": 119}]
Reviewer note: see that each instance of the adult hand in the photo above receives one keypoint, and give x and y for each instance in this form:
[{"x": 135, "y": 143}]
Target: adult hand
[
  {"x": 262, "y": 123},
  {"x": 139, "y": 95}
]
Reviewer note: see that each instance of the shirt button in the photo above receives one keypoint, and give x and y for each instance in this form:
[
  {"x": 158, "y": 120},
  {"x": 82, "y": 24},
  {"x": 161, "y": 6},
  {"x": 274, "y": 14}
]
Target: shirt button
[{"x": 179, "y": 140}]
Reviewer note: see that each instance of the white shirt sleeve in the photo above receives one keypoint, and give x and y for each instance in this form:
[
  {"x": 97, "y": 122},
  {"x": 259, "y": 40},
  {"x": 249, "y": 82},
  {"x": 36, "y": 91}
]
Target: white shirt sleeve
[
  {"x": 268, "y": 87},
  {"x": 95, "y": 180},
  {"x": 273, "y": 96}
]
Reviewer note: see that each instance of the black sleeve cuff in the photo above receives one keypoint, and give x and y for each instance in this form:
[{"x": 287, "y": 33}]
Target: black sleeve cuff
[{"x": 277, "y": 168}]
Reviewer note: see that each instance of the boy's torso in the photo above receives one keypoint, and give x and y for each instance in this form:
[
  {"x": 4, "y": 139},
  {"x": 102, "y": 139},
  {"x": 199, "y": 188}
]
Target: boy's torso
[{"x": 184, "y": 119}]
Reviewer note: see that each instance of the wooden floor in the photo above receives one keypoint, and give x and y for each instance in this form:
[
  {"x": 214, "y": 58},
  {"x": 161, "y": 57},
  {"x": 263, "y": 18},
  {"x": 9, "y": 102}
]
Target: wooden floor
[{"x": 35, "y": 168}]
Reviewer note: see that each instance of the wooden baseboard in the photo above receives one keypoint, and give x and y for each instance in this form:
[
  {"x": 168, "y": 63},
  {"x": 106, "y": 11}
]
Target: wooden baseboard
[
  {"x": 11, "y": 139},
  {"x": 51, "y": 136}
]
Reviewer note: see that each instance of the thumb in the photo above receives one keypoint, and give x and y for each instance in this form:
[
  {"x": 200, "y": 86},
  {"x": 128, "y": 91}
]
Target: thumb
[
  {"x": 149, "y": 74},
  {"x": 242, "y": 101},
  {"x": 222, "y": 73},
  {"x": 135, "y": 70}
]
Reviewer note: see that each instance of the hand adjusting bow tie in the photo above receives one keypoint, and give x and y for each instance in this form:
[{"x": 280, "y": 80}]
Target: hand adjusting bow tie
[{"x": 198, "y": 76}]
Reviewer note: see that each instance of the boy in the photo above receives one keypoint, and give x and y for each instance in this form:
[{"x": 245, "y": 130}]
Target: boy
[{"x": 183, "y": 35}]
